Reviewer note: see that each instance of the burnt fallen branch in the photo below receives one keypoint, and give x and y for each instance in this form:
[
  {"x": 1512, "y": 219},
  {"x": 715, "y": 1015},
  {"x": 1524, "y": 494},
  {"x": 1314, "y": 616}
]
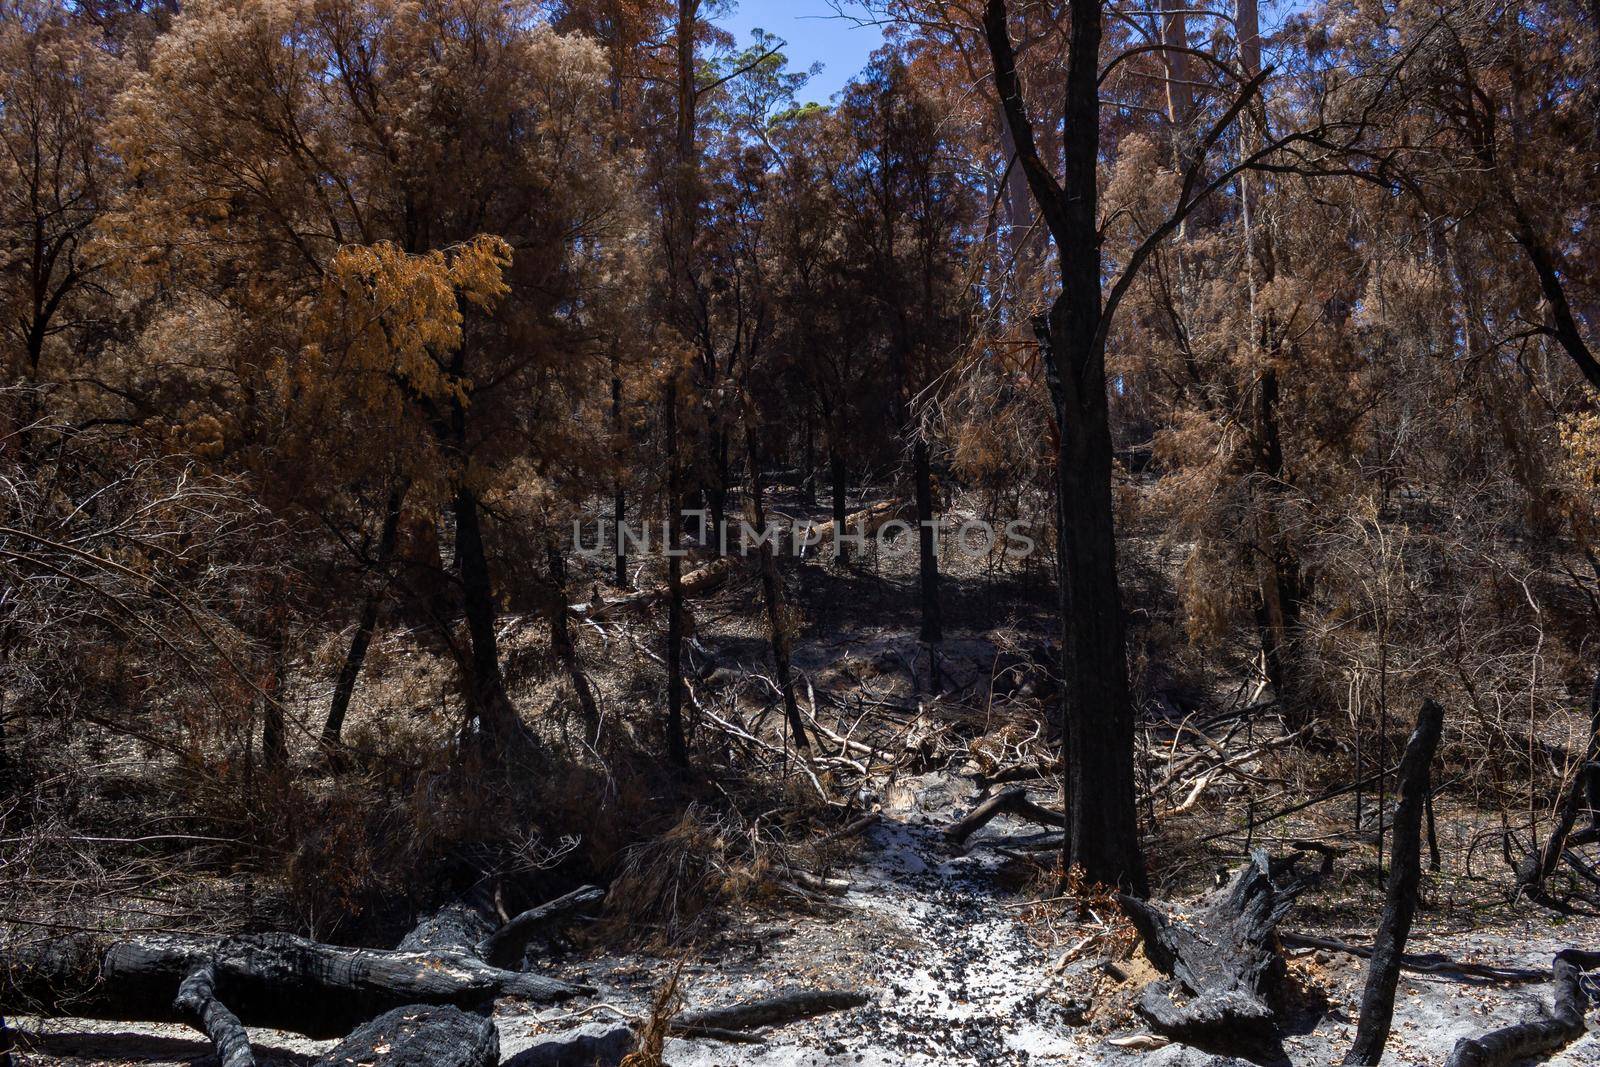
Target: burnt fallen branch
[
  {"x": 504, "y": 947},
  {"x": 769, "y": 1011},
  {"x": 197, "y": 996},
  {"x": 1223, "y": 961},
  {"x": 1562, "y": 1025},
  {"x": 1422, "y": 963},
  {"x": 1013, "y": 801}
]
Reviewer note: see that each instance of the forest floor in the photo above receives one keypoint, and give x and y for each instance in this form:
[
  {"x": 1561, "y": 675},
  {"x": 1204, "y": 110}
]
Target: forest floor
[{"x": 966, "y": 954}]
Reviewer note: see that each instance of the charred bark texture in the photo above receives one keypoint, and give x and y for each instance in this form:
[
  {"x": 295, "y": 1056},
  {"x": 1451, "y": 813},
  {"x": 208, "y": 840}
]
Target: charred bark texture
[
  {"x": 772, "y": 591},
  {"x": 419, "y": 1035},
  {"x": 1224, "y": 961},
  {"x": 1563, "y": 1024},
  {"x": 1097, "y": 705},
  {"x": 1405, "y": 876},
  {"x": 197, "y": 998},
  {"x": 276, "y": 980}
]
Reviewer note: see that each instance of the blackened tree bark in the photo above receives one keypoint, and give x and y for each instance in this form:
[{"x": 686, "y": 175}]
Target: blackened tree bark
[
  {"x": 561, "y": 639},
  {"x": 1405, "y": 876},
  {"x": 371, "y": 604},
  {"x": 486, "y": 685},
  {"x": 1103, "y": 839},
  {"x": 772, "y": 588},
  {"x": 619, "y": 502},
  {"x": 927, "y": 542},
  {"x": 677, "y": 746},
  {"x": 836, "y": 477}
]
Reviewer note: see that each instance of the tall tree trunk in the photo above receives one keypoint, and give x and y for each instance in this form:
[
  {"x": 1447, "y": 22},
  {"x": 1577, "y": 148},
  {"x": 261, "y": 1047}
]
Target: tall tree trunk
[
  {"x": 561, "y": 640},
  {"x": 680, "y": 234},
  {"x": 486, "y": 685},
  {"x": 808, "y": 476},
  {"x": 619, "y": 503},
  {"x": 371, "y": 605},
  {"x": 1103, "y": 836},
  {"x": 772, "y": 587},
  {"x": 836, "y": 477},
  {"x": 1279, "y": 582},
  {"x": 677, "y": 747},
  {"x": 927, "y": 543}
]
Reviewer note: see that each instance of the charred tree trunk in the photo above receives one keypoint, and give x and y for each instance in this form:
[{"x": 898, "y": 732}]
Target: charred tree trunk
[
  {"x": 836, "y": 472},
  {"x": 927, "y": 543},
  {"x": 371, "y": 605},
  {"x": 1405, "y": 876},
  {"x": 561, "y": 639},
  {"x": 275, "y": 980},
  {"x": 808, "y": 476},
  {"x": 619, "y": 502},
  {"x": 486, "y": 686},
  {"x": 1104, "y": 835},
  {"x": 677, "y": 747},
  {"x": 772, "y": 588}
]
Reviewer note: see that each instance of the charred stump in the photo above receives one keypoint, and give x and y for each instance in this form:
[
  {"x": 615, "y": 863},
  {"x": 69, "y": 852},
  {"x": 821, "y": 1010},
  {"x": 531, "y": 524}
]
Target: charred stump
[
  {"x": 1223, "y": 962},
  {"x": 420, "y": 1035}
]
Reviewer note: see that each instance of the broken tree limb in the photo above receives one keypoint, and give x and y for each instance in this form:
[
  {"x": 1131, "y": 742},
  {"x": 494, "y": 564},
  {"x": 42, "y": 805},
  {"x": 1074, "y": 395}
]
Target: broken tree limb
[
  {"x": 419, "y": 1035},
  {"x": 769, "y": 1011},
  {"x": 504, "y": 947},
  {"x": 1422, "y": 963},
  {"x": 277, "y": 980},
  {"x": 1223, "y": 961},
  {"x": 1013, "y": 801},
  {"x": 1563, "y": 1024},
  {"x": 1400, "y": 904},
  {"x": 698, "y": 582},
  {"x": 197, "y": 997}
]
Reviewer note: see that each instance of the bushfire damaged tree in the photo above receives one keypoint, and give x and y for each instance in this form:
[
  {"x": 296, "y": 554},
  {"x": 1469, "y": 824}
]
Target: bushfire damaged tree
[
  {"x": 299, "y": 300},
  {"x": 909, "y": 211},
  {"x": 440, "y": 275}
]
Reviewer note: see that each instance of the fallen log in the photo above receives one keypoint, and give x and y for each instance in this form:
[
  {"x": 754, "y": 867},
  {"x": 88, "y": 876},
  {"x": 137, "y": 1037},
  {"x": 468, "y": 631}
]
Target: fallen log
[
  {"x": 1400, "y": 903},
  {"x": 275, "y": 980},
  {"x": 1223, "y": 961},
  {"x": 1562, "y": 1025},
  {"x": 864, "y": 523},
  {"x": 606, "y": 1045},
  {"x": 419, "y": 1035},
  {"x": 769, "y": 1011},
  {"x": 697, "y": 583},
  {"x": 1423, "y": 963},
  {"x": 1013, "y": 801}
]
